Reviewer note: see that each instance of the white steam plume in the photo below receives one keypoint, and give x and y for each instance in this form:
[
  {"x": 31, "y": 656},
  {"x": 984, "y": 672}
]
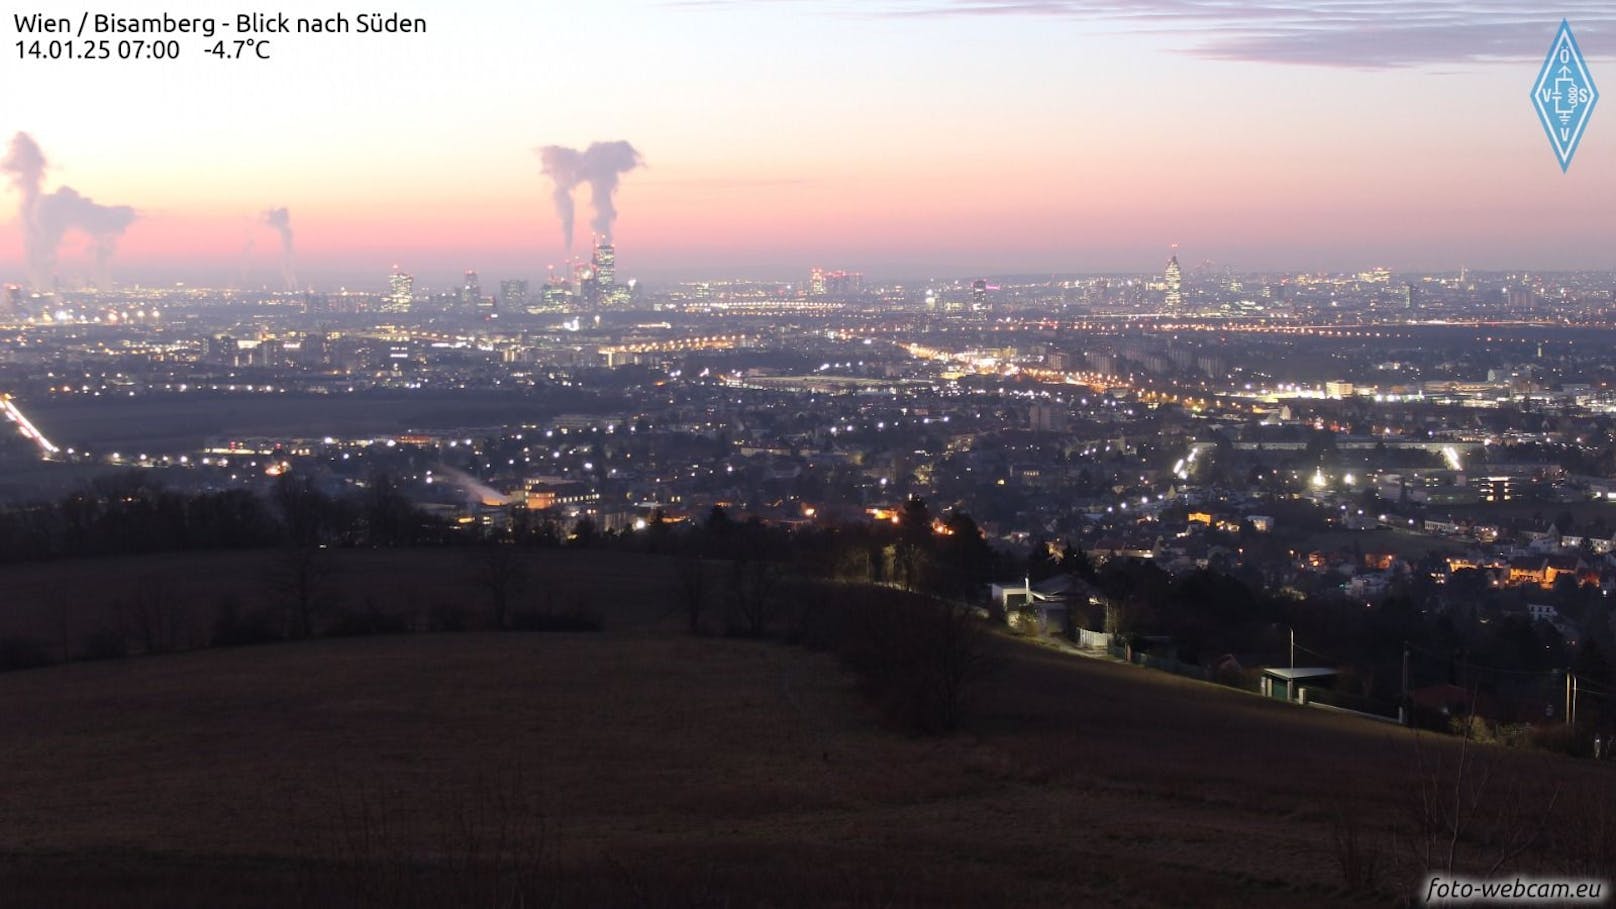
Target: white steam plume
[
  {"x": 281, "y": 220},
  {"x": 48, "y": 217},
  {"x": 602, "y": 166}
]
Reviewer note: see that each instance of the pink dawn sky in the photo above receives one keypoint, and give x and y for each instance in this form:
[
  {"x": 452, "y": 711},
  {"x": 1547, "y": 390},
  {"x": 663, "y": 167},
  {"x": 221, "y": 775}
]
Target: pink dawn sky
[{"x": 903, "y": 139}]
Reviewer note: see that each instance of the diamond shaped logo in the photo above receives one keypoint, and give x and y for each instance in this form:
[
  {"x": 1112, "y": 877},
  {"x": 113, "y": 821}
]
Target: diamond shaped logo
[{"x": 1565, "y": 95}]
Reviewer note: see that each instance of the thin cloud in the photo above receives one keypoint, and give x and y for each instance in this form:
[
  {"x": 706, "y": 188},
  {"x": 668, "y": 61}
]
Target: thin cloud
[
  {"x": 1342, "y": 33},
  {"x": 730, "y": 182}
]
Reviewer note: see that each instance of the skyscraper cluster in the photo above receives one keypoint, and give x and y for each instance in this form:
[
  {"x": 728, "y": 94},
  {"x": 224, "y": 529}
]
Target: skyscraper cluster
[{"x": 822, "y": 283}]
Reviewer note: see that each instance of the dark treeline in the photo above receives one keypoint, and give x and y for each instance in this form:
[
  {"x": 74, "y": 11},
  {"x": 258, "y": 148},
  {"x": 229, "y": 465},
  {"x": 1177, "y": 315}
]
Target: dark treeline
[
  {"x": 941, "y": 555},
  {"x": 1207, "y": 614},
  {"x": 886, "y": 598},
  {"x": 127, "y": 514},
  {"x": 811, "y": 584},
  {"x": 1226, "y": 626}
]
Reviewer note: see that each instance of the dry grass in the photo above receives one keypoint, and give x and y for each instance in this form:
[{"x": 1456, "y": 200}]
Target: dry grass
[{"x": 659, "y": 769}]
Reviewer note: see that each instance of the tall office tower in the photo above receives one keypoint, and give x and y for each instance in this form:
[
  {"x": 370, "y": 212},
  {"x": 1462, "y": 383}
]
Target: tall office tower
[
  {"x": 512, "y": 295},
  {"x": 13, "y": 301},
  {"x": 400, "y": 291},
  {"x": 816, "y": 282},
  {"x": 607, "y": 290},
  {"x": 1410, "y": 294},
  {"x": 219, "y": 349},
  {"x": 584, "y": 285},
  {"x": 843, "y": 283},
  {"x": 1175, "y": 284},
  {"x": 471, "y": 292},
  {"x": 979, "y": 292},
  {"x": 605, "y": 266}
]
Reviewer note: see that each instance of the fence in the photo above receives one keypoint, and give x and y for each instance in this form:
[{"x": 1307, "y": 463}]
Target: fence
[
  {"x": 1093, "y": 640},
  {"x": 1162, "y": 663}
]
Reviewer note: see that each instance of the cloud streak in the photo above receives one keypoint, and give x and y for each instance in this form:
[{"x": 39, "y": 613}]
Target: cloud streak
[{"x": 1358, "y": 34}]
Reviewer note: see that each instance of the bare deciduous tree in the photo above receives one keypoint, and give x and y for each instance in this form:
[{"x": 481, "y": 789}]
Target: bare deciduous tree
[
  {"x": 302, "y": 577},
  {"x": 752, "y": 586},
  {"x": 152, "y": 614},
  {"x": 500, "y": 571},
  {"x": 692, "y": 589}
]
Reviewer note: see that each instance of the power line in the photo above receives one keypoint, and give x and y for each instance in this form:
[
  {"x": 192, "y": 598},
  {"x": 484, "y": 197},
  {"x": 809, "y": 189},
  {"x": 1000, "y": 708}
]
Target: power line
[{"x": 1492, "y": 669}]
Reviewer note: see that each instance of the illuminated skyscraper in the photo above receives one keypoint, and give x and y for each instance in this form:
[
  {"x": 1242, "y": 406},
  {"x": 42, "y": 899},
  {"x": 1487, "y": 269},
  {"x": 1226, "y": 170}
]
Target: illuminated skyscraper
[
  {"x": 512, "y": 295},
  {"x": 979, "y": 293},
  {"x": 816, "y": 282},
  {"x": 471, "y": 291},
  {"x": 400, "y": 291},
  {"x": 584, "y": 285},
  {"x": 605, "y": 267},
  {"x": 1175, "y": 284},
  {"x": 554, "y": 296},
  {"x": 843, "y": 283}
]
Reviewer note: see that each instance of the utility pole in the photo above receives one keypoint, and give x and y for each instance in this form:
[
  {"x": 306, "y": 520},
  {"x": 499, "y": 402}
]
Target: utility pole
[
  {"x": 1408, "y": 712},
  {"x": 1293, "y": 648},
  {"x": 1568, "y": 698}
]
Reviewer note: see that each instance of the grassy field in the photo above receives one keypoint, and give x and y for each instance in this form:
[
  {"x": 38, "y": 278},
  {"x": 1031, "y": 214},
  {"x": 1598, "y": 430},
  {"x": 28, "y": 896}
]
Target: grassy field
[
  {"x": 1402, "y": 543},
  {"x": 182, "y": 423},
  {"x": 641, "y": 766}
]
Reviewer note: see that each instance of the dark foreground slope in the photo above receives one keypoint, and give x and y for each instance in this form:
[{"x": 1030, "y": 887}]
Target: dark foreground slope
[{"x": 642, "y": 767}]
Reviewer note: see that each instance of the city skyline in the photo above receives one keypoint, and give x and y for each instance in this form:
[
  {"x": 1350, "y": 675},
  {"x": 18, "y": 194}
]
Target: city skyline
[{"x": 858, "y": 138}]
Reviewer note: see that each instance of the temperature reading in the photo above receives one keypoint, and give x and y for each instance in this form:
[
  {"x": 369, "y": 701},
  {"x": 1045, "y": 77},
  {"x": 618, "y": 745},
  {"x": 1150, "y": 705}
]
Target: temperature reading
[{"x": 239, "y": 48}]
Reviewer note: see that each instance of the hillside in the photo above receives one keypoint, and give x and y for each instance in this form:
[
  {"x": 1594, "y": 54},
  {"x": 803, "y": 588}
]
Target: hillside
[{"x": 644, "y": 767}]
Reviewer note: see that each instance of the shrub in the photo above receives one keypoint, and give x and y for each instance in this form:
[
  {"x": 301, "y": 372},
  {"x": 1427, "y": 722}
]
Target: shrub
[
  {"x": 363, "y": 623},
  {"x": 580, "y": 616},
  {"x": 917, "y": 657},
  {"x": 234, "y": 628},
  {"x": 1560, "y": 739},
  {"x": 448, "y": 617},
  {"x": 104, "y": 645},
  {"x": 22, "y": 653},
  {"x": 575, "y": 619}
]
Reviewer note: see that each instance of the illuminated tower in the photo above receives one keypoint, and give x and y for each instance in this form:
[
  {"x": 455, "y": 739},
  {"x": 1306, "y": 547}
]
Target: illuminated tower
[
  {"x": 979, "y": 293},
  {"x": 816, "y": 282},
  {"x": 584, "y": 285},
  {"x": 512, "y": 295},
  {"x": 1175, "y": 284},
  {"x": 400, "y": 290},
  {"x": 605, "y": 267},
  {"x": 554, "y": 296},
  {"x": 471, "y": 292}
]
